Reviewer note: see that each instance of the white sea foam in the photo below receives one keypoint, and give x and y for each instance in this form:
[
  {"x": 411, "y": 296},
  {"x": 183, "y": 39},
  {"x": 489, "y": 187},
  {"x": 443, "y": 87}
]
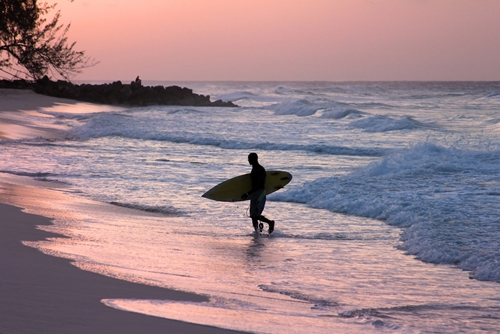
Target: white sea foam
[
  {"x": 441, "y": 195},
  {"x": 325, "y": 109},
  {"x": 114, "y": 125}
]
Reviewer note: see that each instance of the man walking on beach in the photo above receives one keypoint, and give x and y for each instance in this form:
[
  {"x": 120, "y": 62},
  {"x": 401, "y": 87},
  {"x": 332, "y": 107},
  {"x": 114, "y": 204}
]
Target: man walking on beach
[{"x": 258, "y": 194}]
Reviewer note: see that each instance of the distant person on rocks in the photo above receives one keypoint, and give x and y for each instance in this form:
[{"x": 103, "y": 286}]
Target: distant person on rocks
[
  {"x": 138, "y": 81},
  {"x": 258, "y": 194}
]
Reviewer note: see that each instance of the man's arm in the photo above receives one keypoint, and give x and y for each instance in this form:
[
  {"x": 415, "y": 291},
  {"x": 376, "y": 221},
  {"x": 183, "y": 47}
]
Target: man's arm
[{"x": 258, "y": 181}]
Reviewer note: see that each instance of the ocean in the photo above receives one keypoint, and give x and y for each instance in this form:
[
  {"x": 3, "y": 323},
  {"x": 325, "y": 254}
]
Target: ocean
[{"x": 390, "y": 224}]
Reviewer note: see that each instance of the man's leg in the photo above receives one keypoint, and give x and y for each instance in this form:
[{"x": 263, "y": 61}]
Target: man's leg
[
  {"x": 264, "y": 219},
  {"x": 268, "y": 221},
  {"x": 257, "y": 204},
  {"x": 255, "y": 223}
]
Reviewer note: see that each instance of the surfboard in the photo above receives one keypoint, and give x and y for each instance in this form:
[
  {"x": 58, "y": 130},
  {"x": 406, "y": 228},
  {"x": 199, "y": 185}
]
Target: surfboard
[{"x": 232, "y": 189}]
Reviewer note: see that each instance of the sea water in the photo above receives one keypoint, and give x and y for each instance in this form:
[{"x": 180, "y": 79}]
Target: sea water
[{"x": 390, "y": 224}]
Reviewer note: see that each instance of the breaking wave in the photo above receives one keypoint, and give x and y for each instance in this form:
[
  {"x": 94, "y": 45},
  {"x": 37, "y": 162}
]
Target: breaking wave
[
  {"x": 445, "y": 198},
  {"x": 382, "y": 123}
]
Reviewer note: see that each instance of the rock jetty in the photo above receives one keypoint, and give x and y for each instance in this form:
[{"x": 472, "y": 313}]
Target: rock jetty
[{"x": 117, "y": 93}]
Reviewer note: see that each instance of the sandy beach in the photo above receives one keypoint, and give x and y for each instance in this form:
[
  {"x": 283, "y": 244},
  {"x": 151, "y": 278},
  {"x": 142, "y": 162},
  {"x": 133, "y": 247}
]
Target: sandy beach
[
  {"x": 16, "y": 104},
  {"x": 46, "y": 294}
]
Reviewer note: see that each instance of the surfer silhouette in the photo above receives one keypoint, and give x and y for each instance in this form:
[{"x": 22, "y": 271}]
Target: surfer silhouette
[{"x": 258, "y": 194}]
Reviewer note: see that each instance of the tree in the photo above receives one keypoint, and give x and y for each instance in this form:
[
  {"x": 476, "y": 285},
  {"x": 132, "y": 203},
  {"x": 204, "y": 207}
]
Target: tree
[{"x": 32, "y": 46}]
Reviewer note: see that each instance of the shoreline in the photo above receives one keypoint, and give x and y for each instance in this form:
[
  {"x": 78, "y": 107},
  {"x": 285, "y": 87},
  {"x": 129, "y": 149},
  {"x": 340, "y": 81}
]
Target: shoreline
[
  {"x": 16, "y": 105},
  {"x": 48, "y": 294}
]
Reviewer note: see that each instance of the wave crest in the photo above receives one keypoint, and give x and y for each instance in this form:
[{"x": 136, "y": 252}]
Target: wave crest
[
  {"x": 298, "y": 107},
  {"x": 382, "y": 123}
]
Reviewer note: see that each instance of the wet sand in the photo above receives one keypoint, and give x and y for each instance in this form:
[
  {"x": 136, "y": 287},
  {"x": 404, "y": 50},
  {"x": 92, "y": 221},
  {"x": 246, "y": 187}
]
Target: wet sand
[{"x": 45, "y": 294}]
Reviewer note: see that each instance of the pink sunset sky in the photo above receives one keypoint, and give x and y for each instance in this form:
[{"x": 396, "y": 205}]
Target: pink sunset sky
[{"x": 330, "y": 40}]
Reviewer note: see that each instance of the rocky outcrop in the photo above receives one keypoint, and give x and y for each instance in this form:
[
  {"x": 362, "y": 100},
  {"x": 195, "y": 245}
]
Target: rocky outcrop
[
  {"x": 15, "y": 84},
  {"x": 117, "y": 93}
]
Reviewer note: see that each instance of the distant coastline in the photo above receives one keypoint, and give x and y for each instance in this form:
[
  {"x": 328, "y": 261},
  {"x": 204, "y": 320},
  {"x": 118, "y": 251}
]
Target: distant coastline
[{"x": 117, "y": 93}]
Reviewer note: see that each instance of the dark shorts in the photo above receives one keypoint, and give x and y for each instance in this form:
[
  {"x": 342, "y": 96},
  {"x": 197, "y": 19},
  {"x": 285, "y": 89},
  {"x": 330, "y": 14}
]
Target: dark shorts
[{"x": 257, "y": 203}]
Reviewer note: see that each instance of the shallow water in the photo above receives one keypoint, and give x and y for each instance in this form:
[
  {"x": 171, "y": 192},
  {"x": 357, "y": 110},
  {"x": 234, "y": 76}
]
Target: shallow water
[{"x": 395, "y": 192}]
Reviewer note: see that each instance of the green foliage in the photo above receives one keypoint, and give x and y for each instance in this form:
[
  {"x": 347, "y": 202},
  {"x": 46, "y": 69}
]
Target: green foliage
[{"x": 32, "y": 46}]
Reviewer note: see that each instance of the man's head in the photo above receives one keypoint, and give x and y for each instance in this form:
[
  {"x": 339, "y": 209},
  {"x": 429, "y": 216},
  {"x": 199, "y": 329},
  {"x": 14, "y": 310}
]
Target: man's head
[{"x": 253, "y": 159}]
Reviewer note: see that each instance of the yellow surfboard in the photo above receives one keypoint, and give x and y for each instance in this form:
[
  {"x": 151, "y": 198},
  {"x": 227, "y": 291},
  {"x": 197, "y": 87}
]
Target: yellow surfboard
[{"x": 232, "y": 189}]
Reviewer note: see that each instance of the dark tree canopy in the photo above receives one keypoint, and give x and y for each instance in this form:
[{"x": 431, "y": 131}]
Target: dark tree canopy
[{"x": 32, "y": 46}]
